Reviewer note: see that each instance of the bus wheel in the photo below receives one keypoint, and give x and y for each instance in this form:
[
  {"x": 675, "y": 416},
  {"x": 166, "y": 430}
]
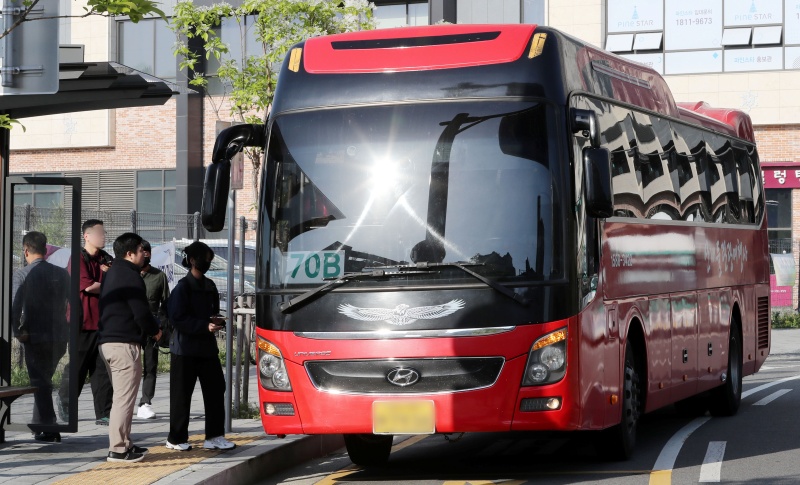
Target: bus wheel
[
  {"x": 725, "y": 399},
  {"x": 620, "y": 440},
  {"x": 368, "y": 449}
]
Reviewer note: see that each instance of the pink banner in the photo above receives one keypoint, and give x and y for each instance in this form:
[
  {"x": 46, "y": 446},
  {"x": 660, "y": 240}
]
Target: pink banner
[
  {"x": 781, "y": 176},
  {"x": 779, "y": 295}
]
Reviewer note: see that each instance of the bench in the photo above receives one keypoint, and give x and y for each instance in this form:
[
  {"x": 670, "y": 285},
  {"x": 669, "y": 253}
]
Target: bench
[{"x": 7, "y": 396}]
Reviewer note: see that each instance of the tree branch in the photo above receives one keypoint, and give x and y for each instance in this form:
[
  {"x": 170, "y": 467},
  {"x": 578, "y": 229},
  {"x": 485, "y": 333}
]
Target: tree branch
[{"x": 21, "y": 19}]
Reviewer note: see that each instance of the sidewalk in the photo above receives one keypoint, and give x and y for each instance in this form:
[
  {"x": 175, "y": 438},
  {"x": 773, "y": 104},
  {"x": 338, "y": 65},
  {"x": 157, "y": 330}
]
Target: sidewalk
[{"x": 80, "y": 458}]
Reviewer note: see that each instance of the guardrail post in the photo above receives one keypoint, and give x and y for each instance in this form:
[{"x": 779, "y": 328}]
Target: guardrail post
[
  {"x": 133, "y": 221},
  {"x": 196, "y": 226}
]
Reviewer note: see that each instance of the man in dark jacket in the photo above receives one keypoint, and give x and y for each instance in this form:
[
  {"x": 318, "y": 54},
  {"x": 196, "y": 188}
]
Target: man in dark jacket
[
  {"x": 38, "y": 320},
  {"x": 125, "y": 322}
]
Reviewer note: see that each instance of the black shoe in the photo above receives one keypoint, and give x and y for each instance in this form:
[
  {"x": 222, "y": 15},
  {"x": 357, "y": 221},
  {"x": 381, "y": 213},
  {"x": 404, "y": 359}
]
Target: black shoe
[
  {"x": 127, "y": 457},
  {"x": 137, "y": 449},
  {"x": 48, "y": 437},
  {"x": 102, "y": 422}
]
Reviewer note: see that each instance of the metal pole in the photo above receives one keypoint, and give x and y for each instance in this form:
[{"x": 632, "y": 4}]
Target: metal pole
[
  {"x": 229, "y": 311},
  {"x": 248, "y": 321},
  {"x": 242, "y": 229},
  {"x": 8, "y": 45},
  {"x": 236, "y": 392},
  {"x": 196, "y": 227}
]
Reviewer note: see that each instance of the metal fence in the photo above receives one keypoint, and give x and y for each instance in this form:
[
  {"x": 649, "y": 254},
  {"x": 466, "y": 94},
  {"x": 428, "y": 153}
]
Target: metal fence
[{"x": 157, "y": 229}]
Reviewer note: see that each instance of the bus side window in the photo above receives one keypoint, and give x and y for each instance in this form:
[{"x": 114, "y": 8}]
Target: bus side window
[
  {"x": 746, "y": 185},
  {"x": 723, "y": 183},
  {"x": 654, "y": 140},
  {"x": 690, "y": 148},
  {"x": 755, "y": 172},
  {"x": 620, "y": 138}
]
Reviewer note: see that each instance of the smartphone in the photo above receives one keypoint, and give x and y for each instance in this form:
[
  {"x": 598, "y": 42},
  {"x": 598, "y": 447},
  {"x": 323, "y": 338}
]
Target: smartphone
[{"x": 221, "y": 320}]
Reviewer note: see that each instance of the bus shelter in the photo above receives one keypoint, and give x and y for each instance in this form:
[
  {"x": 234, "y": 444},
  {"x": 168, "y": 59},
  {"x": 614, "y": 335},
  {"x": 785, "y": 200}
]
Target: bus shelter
[{"x": 32, "y": 399}]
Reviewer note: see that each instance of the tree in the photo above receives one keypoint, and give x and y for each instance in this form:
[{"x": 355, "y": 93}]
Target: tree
[
  {"x": 135, "y": 9},
  {"x": 250, "y": 81}
]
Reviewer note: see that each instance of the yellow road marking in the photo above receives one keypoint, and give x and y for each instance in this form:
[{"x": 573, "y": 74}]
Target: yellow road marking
[
  {"x": 661, "y": 477},
  {"x": 349, "y": 470},
  {"x": 158, "y": 463}
]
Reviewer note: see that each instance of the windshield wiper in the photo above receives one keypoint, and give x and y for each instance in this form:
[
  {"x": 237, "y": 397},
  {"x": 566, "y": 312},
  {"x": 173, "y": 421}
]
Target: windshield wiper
[
  {"x": 425, "y": 266},
  {"x": 374, "y": 273}
]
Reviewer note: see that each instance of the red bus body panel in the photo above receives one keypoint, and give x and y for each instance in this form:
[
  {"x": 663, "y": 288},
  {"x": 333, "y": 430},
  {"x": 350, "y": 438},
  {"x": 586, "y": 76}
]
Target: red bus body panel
[{"x": 681, "y": 284}]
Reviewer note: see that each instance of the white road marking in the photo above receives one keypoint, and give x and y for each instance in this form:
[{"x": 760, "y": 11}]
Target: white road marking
[
  {"x": 711, "y": 469},
  {"x": 775, "y": 395},
  {"x": 666, "y": 459},
  {"x": 768, "y": 385}
]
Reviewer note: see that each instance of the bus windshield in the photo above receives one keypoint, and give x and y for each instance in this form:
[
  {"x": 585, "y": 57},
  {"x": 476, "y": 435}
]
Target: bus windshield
[{"x": 359, "y": 188}]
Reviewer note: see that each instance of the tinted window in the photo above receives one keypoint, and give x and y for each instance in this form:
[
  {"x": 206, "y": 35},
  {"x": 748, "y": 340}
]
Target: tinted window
[{"x": 387, "y": 185}]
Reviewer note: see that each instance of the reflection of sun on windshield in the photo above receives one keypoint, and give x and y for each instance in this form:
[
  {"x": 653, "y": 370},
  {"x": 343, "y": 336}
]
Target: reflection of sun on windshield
[{"x": 375, "y": 186}]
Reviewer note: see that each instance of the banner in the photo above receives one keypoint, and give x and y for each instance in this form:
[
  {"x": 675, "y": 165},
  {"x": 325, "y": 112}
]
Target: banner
[
  {"x": 785, "y": 272},
  {"x": 163, "y": 258}
]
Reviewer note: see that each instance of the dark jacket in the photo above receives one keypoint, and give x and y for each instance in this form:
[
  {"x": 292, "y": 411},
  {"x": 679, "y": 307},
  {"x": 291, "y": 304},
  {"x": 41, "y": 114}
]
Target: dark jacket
[
  {"x": 191, "y": 305},
  {"x": 39, "y": 302},
  {"x": 124, "y": 312}
]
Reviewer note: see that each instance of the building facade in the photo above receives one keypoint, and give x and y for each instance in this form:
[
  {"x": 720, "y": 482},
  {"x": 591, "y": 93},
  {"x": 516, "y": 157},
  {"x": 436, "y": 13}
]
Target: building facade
[{"x": 742, "y": 54}]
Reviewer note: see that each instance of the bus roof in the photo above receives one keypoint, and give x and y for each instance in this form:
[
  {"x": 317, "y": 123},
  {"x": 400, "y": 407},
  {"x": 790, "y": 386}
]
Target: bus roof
[{"x": 473, "y": 61}]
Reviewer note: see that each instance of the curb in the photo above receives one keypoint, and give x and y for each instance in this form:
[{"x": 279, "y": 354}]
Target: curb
[{"x": 281, "y": 456}]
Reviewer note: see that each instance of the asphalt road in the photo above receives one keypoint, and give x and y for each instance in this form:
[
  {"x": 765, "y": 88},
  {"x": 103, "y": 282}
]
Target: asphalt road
[{"x": 761, "y": 444}]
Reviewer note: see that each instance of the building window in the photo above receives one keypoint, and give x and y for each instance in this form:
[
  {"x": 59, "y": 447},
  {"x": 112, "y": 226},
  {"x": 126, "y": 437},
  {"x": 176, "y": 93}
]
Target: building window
[
  {"x": 533, "y": 12},
  {"x": 400, "y": 14},
  {"x": 147, "y": 46},
  {"x": 240, "y": 37},
  {"x": 779, "y": 218},
  {"x": 39, "y": 196},
  {"x": 155, "y": 191}
]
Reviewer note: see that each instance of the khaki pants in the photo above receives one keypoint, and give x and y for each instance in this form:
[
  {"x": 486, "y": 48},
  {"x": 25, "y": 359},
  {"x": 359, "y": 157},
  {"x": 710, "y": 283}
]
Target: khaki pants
[{"x": 125, "y": 368}]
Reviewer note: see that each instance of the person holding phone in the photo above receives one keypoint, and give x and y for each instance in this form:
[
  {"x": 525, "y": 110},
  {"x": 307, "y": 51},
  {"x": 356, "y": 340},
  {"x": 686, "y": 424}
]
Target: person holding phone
[{"x": 193, "y": 308}]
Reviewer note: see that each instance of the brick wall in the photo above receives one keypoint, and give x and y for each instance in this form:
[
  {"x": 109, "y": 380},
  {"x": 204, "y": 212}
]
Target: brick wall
[
  {"x": 778, "y": 143},
  {"x": 144, "y": 139}
]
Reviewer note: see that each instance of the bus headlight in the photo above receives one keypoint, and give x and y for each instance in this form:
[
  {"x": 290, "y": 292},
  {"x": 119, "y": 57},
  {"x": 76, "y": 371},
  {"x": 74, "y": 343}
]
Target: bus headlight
[
  {"x": 272, "y": 367},
  {"x": 547, "y": 361}
]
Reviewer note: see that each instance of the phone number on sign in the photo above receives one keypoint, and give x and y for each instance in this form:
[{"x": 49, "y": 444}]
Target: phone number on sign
[{"x": 697, "y": 21}]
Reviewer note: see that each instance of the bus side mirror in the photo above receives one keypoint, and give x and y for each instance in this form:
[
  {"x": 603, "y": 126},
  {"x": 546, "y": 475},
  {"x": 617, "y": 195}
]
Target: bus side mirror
[
  {"x": 597, "y": 182},
  {"x": 584, "y": 121},
  {"x": 216, "y": 186},
  {"x": 217, "y": 181}
]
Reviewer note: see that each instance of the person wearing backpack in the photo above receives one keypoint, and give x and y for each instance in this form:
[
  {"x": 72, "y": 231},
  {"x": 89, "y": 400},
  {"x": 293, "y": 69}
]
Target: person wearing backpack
[
  {"x": 193, "y": 307},
  {"x": 157, "y": 293}
]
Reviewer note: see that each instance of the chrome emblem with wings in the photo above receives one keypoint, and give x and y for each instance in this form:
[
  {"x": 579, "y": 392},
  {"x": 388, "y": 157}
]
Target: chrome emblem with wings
[{"x": 401, "y": 314}]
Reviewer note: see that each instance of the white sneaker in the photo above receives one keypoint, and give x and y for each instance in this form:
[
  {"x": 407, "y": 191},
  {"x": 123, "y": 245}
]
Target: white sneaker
[
  {"x": 179, "y": 447},
  {"x": 218, "y": 443},
  {"x": 146, "y": 412}
]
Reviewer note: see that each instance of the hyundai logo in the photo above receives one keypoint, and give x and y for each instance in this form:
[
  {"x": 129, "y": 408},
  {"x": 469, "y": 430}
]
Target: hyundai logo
[{"x": 402, "y": 376}]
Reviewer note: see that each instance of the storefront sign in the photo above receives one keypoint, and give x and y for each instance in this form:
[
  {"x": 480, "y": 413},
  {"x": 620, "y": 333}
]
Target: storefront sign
[{"x": 783, "y": 176}]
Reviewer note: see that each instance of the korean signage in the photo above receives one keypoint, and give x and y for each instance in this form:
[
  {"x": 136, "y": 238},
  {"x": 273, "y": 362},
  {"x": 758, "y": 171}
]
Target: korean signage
[
  {"x": 785, "y": 176},
  {"x": 635, "y": 15},
  {"x": 693, "y": 25},
  {"x": 762, "y": 59},
  {"x": 792, "y": 30},
  {"x": 750, "y": 12}
]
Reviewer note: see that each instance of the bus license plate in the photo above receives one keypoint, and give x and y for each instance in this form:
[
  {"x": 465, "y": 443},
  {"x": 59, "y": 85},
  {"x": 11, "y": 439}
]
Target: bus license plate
[{"x": 403, "y": 417}]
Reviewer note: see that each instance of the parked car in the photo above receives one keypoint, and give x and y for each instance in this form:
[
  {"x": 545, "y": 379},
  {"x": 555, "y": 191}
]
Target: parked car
[
  {"x": 221, "y": 250},
  {"x": 218, "y": 273}
]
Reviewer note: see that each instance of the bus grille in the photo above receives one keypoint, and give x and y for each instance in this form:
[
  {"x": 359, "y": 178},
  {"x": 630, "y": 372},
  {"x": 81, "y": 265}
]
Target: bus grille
[
  {"x": 763, "y": 322},
  {"x": 434, "y": 375}
]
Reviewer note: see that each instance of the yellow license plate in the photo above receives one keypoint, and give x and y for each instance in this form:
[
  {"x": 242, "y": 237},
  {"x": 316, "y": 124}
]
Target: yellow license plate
[{"x": 403, "y": 417}]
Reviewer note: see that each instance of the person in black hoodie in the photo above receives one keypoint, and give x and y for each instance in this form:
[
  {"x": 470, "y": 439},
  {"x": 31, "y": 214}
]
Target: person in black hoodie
[
  {"x": 125, "y": 323},
  {"x": 193, "y": 307}
]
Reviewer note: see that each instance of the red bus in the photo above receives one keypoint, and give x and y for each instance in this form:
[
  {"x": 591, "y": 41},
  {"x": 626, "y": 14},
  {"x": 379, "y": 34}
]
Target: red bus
[{"x": 473, "y": 228}]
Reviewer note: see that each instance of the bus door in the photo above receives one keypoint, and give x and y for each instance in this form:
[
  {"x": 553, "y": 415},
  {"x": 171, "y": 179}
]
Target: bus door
[{"x": 41, "y": 309}]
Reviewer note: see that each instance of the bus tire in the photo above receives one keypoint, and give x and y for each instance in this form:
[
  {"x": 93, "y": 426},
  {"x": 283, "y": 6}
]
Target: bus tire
[
  {"x": 725, "y": 399},
  {"x": 368, "y": 450},
  {"x": 620, "y": 440}
]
